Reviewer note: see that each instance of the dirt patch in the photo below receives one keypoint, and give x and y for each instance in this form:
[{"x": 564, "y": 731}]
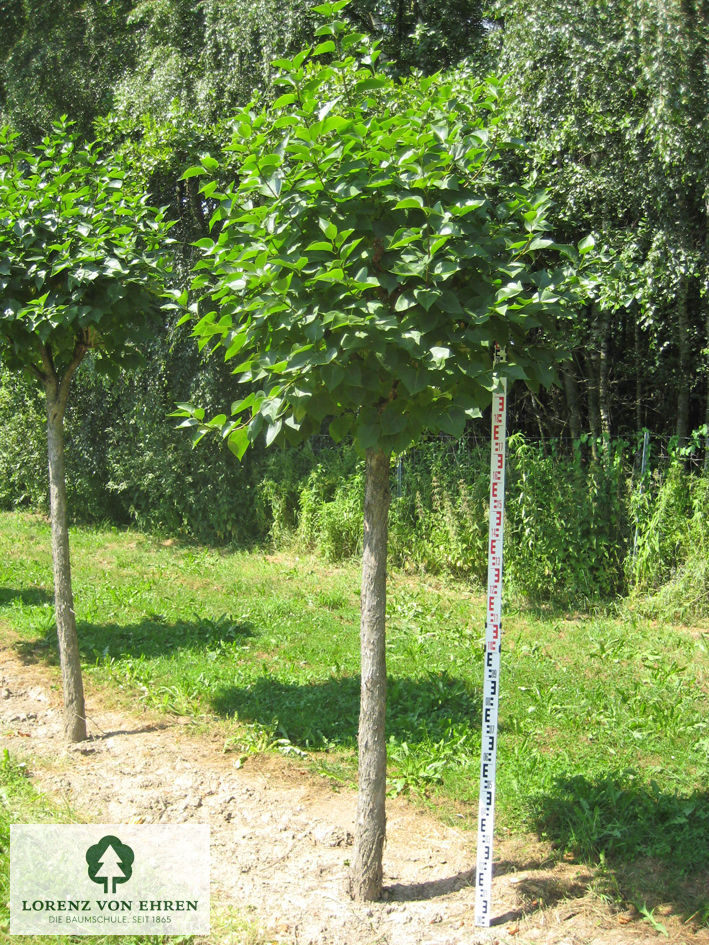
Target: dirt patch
[{"x": 282, "y": 838}]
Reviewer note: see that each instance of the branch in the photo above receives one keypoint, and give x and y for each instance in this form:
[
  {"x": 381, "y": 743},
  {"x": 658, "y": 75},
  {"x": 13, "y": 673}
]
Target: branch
[
  {"x": 50, "y": 373},
  {"x": 80, "y": 350},
  {"x": 40, "y": 375}
]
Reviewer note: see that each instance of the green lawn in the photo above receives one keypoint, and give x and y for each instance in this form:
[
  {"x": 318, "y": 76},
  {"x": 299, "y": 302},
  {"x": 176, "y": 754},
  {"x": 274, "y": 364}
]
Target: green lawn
[{"x": 604, "y": 720}]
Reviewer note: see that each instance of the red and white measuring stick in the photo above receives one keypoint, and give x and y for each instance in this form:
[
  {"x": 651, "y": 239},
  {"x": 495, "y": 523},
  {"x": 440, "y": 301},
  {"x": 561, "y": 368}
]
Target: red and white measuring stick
[{"x": 493, "y": 632}]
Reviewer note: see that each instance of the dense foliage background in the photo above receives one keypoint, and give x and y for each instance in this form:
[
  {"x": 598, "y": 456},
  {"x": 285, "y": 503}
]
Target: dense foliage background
[{"x": 612, "y": 98}]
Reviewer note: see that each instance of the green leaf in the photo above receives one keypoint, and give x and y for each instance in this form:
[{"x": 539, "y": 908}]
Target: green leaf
[
  {"x": 327, "y": 47},
  {"x": 440, "y": 354},
  {"x": 272, "y": 431},
  {"x": 374, "y": 82},
  {"x": 340, "y": 426},
  {"x": 328, "y": 228},
  {"x": 238, "y": 442},
  {"x": 319, "y": 246}
]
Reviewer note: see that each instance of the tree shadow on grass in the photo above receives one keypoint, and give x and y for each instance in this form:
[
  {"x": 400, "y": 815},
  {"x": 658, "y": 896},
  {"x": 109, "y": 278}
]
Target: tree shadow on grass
[
  {"x": 655, "y": 844},
  {"x": 29, "y": 596},
  {"x": 313, "y": 715},
  {"x": 325, "y": 713},
  {"x": 150, "y": 638}
]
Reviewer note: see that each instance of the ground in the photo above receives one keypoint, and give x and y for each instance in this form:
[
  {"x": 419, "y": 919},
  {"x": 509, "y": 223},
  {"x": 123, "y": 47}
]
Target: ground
[{"x": 281, "y": 837}]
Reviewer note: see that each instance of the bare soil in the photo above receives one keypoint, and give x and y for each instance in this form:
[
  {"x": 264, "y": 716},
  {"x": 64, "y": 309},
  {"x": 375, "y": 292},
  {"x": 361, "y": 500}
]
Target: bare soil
[{"x": 282, "y": 837}]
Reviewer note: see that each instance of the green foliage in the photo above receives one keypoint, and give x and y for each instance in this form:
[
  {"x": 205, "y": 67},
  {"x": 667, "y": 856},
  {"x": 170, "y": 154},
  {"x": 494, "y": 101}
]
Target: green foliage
[
  {"x": 368, "y": 258},
  {"x": 568, "y": 525},
  {"x": 439, "y": 522},
  {"x": 60, "y": 58},
  {"x": 207, "y": 59},
  {"x": 671, "y": 566},
  {"x": 81, "y": 256},
  {"x": 23, "y": 457}
]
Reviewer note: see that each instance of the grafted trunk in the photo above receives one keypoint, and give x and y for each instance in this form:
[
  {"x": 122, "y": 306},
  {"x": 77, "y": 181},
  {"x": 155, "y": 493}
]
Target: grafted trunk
[
  {"x": 370, "y": 831},
  {"x": 57, "y": 392}
]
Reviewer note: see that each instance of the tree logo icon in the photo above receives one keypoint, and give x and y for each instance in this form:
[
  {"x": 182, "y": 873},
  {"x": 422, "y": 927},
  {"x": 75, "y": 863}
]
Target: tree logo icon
[{"x": 110, "y": 862}]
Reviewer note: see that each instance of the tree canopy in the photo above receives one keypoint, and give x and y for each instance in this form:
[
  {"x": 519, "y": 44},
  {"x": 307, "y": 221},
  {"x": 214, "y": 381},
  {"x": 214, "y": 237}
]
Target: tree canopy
[{"x": 369, "y": 254}]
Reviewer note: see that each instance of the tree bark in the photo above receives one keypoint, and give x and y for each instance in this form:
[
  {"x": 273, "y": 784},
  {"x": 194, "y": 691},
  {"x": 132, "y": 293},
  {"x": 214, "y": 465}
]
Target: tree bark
[
  {"x": 571, "y": 392},
  {"x": 370, "y": 830},
  {"x": 638, "y": 375},
  {"x": 685, "y": 358},
  {"x": 594, "y": 416},
  {"x": 706, "y": 408},
  {"x": 74, "y": 709},
  {"x": 604, "y": 398}
]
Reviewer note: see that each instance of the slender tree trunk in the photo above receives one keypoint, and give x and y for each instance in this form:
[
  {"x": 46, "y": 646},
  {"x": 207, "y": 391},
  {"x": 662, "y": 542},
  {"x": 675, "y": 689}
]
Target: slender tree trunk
[
  {"x": 604, "y": 399},
  {"x": 594, "y": 416},
  {"x": 705, "y": 302},
  {"x": 706, "y": 408},
  {"x": 74, "y": 711},
  {"x": 571, "y": 392},
  {"x": 638, "y": 376},
  {"x": 399, "y": 29},
  {"x": 685, "y": 357},
  {"x": 370, "y": 831}
]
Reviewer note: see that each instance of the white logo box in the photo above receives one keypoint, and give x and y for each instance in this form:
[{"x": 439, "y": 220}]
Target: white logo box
[{"x": 139, "y": 879}]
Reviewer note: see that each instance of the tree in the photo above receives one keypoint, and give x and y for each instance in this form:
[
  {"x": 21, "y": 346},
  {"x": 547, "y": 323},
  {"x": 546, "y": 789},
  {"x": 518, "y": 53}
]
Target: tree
[
  {"x": 620, "y": 139},
  {"x": 61, "y": 57},
  {"x": 81, "y": 271},
  {"x": 366, "y": 260}
]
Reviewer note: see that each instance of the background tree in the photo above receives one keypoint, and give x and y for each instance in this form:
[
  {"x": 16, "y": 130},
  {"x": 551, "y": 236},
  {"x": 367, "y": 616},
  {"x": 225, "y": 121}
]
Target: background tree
[
  {"x": 81, "y": 269},
  {"x": 619, "y": 137},
  {"x": 365, "y": 262},
  {"x": 62, "y": 57}
]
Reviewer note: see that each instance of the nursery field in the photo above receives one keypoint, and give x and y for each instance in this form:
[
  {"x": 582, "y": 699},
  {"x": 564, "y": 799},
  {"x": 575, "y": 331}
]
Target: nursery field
[{"x": 604, "y": 718}]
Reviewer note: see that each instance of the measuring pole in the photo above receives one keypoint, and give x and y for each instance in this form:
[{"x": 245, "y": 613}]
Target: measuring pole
[{"x": 493, "y": 631}]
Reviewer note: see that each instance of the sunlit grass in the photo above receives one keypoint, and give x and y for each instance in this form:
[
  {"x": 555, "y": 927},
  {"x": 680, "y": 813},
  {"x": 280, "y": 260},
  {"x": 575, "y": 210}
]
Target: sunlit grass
[{"x": 604, "y": 720}]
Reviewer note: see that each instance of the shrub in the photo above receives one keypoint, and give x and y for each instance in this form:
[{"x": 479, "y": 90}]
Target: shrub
[{"x": 567, "y": 523}]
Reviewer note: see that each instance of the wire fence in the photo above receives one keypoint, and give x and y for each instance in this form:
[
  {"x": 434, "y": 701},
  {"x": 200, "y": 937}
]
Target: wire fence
[{"x": 644, "y": 453}]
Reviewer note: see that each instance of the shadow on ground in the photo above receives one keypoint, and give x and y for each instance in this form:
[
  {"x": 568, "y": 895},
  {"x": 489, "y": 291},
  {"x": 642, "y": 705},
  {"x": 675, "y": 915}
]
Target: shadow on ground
[
  {"x": 29, "y": 596},
  {"x": 314, "y": 715},
  {"x": 149, "y": 638},
  {"x": 325, "y": 713},
  {"x": 654, "y": 844}
]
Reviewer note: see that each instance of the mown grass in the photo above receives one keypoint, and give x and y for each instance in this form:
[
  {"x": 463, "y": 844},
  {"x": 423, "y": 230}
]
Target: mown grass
[{"x": 604, "y": 722}]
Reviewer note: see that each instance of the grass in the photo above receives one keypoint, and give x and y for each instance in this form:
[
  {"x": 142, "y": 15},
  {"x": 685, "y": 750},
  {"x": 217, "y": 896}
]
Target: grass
[{"x": 604, "y": 720}]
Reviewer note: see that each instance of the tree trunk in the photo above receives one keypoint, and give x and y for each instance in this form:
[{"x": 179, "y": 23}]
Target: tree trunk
[
  {"x": 706, "y": 408},
  {"x": 704, "y": 295},
  {"x": 639, "y": 424},
  {"x": 370, "y": 831},
  {"x": 685, "y": 356},
  {"x": 74, "y": 711},
  {"x": 604, "y": 398},
  {"x": 594, "y": 416},
  {"x": 571, "y": 393}
]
